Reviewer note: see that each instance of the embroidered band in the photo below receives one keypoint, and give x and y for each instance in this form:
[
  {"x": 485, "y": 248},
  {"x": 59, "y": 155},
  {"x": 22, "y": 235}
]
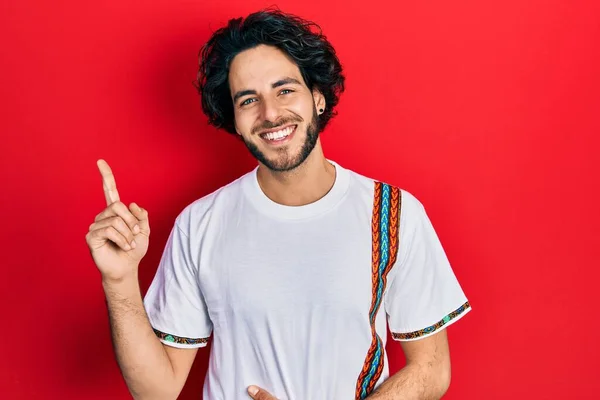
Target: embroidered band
[
  {"x": 384, "y": 227},
  {"x": 434, "y": 327},
  {"x": 178, "y": 339}
]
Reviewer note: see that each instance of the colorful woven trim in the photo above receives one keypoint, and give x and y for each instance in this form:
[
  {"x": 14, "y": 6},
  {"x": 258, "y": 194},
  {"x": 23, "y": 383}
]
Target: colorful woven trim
[
  {"x": 385, "y": 236},
  {"x": 434, "y": 327},
  {"x": 178, "y": 339}
]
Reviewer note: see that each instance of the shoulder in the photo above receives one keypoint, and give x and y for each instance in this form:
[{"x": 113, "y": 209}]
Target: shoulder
[
  {"x": 211, "y": 205},
  {"x": 373, "y": 189}
]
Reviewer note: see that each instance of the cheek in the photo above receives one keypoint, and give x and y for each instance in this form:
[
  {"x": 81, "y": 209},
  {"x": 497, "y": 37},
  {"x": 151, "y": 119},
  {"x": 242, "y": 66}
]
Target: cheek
[
  {"x": 243, "y": 124},
  {"x": 304, "y": 107}
]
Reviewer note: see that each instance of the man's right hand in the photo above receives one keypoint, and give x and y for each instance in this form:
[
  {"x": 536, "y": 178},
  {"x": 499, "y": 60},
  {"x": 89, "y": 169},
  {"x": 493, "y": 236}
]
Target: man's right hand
[{"x": 118, "y": 238}]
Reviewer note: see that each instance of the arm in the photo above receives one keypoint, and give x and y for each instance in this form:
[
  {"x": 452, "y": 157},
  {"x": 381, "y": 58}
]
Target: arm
[
  {"x": 118, "y": 240},
  {"x": 426, "y": 375},
  {"x": 422, "y": 299},
  {"x": 151, "y": 370}
]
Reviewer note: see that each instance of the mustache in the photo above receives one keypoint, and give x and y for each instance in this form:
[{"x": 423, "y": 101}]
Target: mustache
[{"x": 276, "y": 124}]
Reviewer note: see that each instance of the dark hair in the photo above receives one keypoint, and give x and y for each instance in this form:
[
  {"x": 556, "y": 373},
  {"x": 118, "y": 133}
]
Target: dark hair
[{"x": 300, "y": 39}]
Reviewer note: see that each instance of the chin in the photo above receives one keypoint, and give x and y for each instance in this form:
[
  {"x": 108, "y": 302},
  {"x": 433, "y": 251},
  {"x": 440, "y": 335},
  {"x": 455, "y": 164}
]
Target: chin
[
  {"x": 282, "y": 162},
  {"x": 290, "y": 156}
]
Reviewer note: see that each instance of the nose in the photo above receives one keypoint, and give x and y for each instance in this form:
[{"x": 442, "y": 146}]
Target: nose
[{"x": 270, "y": 110}]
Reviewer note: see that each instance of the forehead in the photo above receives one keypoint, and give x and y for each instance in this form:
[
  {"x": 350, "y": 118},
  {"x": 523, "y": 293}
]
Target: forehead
[{"x": 259, "y": 67}]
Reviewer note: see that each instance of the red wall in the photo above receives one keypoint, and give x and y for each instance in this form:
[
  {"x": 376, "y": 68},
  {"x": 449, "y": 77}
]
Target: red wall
[{"x": 486, "y": 111}]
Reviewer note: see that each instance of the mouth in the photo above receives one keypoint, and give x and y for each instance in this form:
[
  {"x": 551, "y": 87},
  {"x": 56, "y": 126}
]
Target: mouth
[{"x": 280, "y": 136}]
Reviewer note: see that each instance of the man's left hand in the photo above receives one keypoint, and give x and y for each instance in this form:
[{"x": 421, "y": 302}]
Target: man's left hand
[{"x": 260, "y": 394}]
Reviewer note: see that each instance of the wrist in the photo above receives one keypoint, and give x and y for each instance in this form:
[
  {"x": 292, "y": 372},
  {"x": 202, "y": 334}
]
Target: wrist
[{"x": 122, "y": 284}]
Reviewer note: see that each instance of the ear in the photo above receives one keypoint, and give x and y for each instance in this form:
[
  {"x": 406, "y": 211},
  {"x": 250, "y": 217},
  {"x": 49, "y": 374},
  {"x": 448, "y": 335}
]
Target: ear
[{"x": 319, "y": 99}]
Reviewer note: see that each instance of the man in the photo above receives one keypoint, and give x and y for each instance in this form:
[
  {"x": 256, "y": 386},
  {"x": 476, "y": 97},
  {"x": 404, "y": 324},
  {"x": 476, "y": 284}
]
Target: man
[{"x": 297, "y": 268}]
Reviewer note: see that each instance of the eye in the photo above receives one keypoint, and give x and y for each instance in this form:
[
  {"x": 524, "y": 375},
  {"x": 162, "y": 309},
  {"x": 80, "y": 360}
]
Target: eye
[
  {"x": 286, "y": 90},
  {"x": 246, "y": 102}
]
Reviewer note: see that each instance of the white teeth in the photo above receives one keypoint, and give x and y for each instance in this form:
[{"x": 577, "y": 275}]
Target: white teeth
[{"x": 278, "y": 134}]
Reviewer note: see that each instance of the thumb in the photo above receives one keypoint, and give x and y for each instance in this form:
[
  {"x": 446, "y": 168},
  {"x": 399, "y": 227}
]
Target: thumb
[
  {"x": 142, "y": 215},
  {"x": 260, "y": 394}
]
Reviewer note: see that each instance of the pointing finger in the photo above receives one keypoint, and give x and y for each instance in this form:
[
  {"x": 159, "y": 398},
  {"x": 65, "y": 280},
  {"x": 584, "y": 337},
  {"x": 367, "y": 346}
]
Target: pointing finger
[
  {"x": 108, "y": 182},
  {"x": 119, "y": 209}
]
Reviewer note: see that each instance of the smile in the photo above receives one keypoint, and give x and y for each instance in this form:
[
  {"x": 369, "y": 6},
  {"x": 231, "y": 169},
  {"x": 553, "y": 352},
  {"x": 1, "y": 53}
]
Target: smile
[{"x": 279, "y": 135}]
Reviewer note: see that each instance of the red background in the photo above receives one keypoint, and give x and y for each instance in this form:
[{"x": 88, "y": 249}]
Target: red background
[{"x": 486, "y": 111}]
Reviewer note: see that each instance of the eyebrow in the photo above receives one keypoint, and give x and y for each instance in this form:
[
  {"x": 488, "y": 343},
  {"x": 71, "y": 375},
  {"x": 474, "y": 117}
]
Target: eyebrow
[{"x": 281, "y": 82}]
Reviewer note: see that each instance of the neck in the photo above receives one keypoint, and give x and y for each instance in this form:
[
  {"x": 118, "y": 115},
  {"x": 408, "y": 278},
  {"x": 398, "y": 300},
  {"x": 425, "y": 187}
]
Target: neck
[{"x": 305, "y": 184}]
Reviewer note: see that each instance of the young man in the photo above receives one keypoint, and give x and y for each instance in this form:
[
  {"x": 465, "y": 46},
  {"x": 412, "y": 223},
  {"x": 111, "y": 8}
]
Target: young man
[{"x": 297, "y": 268}]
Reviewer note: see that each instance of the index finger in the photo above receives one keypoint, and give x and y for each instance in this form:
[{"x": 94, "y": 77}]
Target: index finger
[{"x": 108, "y": 182}]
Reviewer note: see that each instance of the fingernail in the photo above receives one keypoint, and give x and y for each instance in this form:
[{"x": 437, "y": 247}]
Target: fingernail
[
  {"x": 136, "y": 229},
  {"x": 133, "y": 244},
  {"x": 252, "y": 390},
  {"x": 127, "y": 247}
]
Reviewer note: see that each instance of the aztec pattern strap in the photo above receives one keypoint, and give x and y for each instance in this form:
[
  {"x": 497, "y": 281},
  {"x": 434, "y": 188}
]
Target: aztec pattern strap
[{"x": 385, "y": 236}]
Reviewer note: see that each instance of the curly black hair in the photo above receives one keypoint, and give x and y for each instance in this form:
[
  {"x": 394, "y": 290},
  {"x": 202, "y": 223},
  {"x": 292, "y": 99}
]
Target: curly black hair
[{"x": 302, "y": 40}]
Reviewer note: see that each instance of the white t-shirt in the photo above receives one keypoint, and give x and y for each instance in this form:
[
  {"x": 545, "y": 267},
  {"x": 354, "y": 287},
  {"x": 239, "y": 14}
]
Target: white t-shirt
[{"x": 299, "y": 299}]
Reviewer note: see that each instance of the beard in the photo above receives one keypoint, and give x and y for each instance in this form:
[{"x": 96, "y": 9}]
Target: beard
[{"x": 284, "y": 161}]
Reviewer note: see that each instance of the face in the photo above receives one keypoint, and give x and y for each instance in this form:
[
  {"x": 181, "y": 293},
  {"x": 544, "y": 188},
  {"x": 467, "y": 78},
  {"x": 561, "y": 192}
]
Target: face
[{"x": 275, "y": 112}]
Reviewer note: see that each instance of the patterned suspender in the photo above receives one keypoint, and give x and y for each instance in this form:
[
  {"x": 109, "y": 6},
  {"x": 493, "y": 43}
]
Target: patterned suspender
[{"x": 385, "y": 224}]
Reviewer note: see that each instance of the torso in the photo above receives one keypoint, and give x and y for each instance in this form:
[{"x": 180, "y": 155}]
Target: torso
[{"x": 289, "y": 290}]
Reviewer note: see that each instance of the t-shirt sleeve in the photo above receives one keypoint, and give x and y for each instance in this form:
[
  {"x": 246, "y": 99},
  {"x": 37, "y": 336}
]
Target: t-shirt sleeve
[
  {"x": 423, "y": 296},
  {"x": 174, "y": 302}
]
